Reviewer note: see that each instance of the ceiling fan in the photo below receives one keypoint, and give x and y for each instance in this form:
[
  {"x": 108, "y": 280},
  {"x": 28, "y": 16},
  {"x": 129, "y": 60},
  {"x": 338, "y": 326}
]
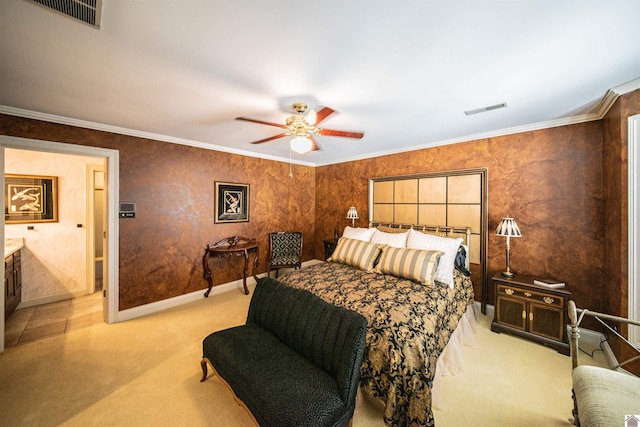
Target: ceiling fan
[{"x": 304, "y": 127}]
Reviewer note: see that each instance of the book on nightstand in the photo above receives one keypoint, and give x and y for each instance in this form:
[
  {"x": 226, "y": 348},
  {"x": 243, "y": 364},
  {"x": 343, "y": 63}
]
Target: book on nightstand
[{"x": 549, "y": 283}]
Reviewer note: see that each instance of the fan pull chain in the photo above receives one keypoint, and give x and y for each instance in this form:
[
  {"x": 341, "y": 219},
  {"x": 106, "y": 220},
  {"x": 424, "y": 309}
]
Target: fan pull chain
[{"x": 290, "y": 173}]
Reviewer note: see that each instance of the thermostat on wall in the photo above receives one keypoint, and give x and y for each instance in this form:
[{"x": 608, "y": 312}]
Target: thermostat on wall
[{"x": 127, "y": 210}]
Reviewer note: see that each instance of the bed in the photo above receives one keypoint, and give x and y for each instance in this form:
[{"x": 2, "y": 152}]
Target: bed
[{"x": 412, "y": 311}]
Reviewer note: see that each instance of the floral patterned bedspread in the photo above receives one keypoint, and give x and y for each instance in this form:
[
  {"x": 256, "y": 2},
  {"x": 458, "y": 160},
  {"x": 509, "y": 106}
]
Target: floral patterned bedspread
[{"x": 409, "y": 326}]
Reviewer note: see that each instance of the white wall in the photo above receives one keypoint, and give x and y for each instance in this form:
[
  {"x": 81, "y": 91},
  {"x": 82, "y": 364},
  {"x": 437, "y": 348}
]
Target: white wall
[{"x": 54, "y": 259}]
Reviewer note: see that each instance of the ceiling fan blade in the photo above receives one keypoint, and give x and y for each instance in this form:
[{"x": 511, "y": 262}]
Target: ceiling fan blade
[
  {"x": 271, "y": 138},
  {"x": 262, "y": 122},
  {"x": 343, "y": 133},
  {"x": 323, "y": 114}
]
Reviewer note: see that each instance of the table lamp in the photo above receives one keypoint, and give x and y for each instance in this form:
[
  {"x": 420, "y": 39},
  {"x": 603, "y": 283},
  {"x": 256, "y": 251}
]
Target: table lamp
[
  {"x": 352, "y": 215},
  {"x": 508, "y": 228}
]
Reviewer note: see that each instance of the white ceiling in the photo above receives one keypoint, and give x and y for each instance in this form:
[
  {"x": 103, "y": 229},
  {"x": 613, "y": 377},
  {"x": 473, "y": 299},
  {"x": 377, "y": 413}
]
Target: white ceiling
[{"x": 402, "y": 72}]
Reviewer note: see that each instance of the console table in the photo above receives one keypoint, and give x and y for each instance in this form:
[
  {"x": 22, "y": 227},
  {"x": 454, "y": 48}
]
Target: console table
[{"x": 227, "y": 247}]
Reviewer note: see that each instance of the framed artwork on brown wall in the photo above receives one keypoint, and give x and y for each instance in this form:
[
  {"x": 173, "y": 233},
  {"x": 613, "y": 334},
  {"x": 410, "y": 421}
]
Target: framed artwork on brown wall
[
  {"x": 232, "y": 202},
  {"x": 30, "y": 198}
]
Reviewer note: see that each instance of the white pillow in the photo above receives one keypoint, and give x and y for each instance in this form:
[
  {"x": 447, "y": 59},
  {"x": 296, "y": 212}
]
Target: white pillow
[
  {"x": 363, "y": 234},
  {"x": 444, "y": 273},
  {"x": 396, "y": 240}
]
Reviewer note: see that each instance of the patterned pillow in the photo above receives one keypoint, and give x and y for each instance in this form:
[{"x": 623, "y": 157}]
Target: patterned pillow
[
  {"x": 413, "y": 264},
  {"x": 356, "y": 253},
  {"x": 418, "y": 240},
  {"x": 388, "y": 229},
  {"x": 435, "y": 233},
  {"x": 363, "y": 234},
  {"x": 397, "y": 240}
]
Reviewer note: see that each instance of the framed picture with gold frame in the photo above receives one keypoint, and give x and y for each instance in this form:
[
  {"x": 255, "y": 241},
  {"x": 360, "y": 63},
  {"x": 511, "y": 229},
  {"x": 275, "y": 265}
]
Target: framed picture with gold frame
[
  {"x": 30, "y": 198},
  {"x": 232, "y": 202}
]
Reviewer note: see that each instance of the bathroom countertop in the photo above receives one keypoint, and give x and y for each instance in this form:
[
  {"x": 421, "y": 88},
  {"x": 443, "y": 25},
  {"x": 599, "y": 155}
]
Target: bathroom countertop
[{"x": 12, "y": 244}]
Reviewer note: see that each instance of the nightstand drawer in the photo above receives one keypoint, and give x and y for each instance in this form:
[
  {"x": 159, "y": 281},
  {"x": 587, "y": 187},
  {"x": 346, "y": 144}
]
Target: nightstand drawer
[{"x": 531, "y": 295}]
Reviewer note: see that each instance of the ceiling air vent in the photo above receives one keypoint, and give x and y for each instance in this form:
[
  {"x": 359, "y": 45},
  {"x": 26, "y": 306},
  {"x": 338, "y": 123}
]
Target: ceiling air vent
[
  {"x": 87, "y": 11},
  {"x": 485, "y": 109}
]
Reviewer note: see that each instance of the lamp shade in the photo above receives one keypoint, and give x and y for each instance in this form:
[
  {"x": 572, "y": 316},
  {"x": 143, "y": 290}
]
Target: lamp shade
[
  {"x": 301, "y": 144},
  {"x": 509, "y": 228},
  {"x": 353, "y": 213}
]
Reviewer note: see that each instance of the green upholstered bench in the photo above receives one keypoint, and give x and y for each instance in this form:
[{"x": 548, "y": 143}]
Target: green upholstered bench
[
  {"x": 601, "y": 396},
  {"x": 296, "y": 361}
]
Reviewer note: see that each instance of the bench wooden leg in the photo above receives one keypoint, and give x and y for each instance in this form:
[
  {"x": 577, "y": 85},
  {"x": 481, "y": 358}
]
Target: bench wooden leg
[{"x": 203, "y": 364}]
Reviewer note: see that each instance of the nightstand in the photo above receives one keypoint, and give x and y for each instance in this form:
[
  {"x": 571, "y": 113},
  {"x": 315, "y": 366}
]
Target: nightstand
[
  {"x": 329, "y": 247},
  {"x": 531, "y": 311}
]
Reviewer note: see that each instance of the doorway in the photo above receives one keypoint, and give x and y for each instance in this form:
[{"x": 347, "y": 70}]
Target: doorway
[
  {"x": 96, "y": 224},
  {"x": 110, "y": 159}
]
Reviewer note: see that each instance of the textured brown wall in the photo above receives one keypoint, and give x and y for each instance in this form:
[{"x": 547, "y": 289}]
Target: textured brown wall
[
  {"x": 616, "y": 262},
  {"x": 549, "y": 180},
  {"x": 173, "y": 187}
]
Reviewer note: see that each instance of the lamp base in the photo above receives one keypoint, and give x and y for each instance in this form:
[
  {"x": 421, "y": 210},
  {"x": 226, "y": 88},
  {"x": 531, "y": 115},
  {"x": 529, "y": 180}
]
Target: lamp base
[{"x": 508, "y": 274}]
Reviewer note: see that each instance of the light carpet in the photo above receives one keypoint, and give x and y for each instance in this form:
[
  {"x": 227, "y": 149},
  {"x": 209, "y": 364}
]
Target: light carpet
[{"x": 146, "y": 372}]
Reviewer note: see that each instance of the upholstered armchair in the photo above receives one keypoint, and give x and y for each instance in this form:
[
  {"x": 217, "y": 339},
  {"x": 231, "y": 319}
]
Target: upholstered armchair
[{"x": 285, "y": 250}]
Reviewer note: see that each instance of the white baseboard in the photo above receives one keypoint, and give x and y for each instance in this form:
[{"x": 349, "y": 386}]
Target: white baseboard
[
  {"x": 593, "y": 340},
  {"x": 154, "y": 307},
  {"x": 61, "y": 296}
]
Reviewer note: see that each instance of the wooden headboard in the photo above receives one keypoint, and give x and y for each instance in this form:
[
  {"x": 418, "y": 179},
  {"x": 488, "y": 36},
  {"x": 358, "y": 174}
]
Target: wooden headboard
[{"x": 455, "y": 200}]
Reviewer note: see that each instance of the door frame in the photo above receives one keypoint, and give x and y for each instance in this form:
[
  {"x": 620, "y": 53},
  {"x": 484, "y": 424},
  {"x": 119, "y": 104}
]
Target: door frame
[
  {"x": 111, "y": 284},
  {"x": 633, "y": 152},
  {"x": 91, "y": 225}
]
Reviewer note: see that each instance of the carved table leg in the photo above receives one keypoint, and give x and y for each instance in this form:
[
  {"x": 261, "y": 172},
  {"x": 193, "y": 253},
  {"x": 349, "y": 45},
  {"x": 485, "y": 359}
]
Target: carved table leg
[
  {"x": 207, "y": 271},
  {"x": 245, "y": 272},
  {"x": 256, "y": 262}
]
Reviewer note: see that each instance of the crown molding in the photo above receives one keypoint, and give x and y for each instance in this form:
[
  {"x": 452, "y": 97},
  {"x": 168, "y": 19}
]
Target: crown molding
[
  {"x": 52, "y": 118},
  {"x": 603, "y": 108},
  {"x": 605, "y": 104},
  {"x": 627, "y": 87}
]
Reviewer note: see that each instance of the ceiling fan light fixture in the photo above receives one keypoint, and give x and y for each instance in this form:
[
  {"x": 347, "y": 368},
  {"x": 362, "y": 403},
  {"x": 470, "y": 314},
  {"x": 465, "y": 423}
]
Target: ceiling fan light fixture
[
  {"x": 302, "y": 126},
  {"x": 301, "y": 144}
]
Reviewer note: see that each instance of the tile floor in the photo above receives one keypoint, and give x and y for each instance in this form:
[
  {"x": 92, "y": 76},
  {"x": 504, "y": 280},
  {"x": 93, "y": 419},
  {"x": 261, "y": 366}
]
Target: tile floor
[{"x": 33, "y": 323}]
